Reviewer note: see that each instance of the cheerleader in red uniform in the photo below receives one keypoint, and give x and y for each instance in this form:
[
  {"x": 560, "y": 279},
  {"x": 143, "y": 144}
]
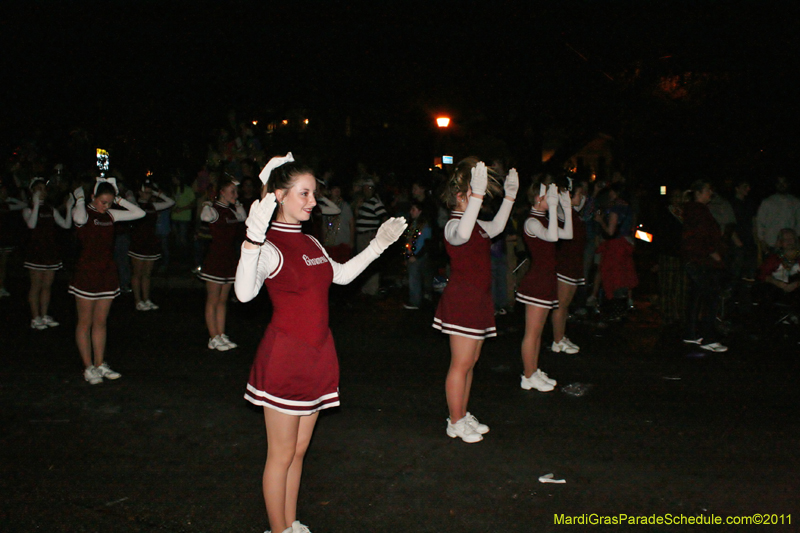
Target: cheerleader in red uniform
[
  {"x": 225, "y": 219},
  {"x": 538, "y": 289},
  {"x": 8, "y": 239},
  {"x": 569, "y": 268},
  {"x": 95, "y": 282},
  {"x": 145, "y": 247},
  {"x": 466, "y": 310},
  {"x": 295, "y": 373},
  {"x": 42, "y": 257}
]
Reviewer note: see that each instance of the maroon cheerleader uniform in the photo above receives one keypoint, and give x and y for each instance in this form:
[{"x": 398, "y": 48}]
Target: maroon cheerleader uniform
[
  {"x": 569, "y": 253},
  {"x": 466, "y": 307},
  {"x": 296, "y": 370},
  {"x": 43, "y": 253},
  {"x": 96, "y": 276},
  {"x": 539, "y": 286},
  {"x": 227, "y": 234},
  {"x": 144, "y": 241}
]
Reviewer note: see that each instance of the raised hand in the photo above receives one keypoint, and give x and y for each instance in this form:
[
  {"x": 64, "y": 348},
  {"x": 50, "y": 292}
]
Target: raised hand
[
  {"x": 479, "y": 179},
  {"x": 511, "y": 185},
  {"x": 260, "y": 215},
  {"x": 388, "y": 233}
]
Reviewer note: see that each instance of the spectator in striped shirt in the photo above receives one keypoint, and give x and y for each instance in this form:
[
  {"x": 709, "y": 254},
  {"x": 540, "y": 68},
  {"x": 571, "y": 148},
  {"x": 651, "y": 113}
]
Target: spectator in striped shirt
[{"x": 370, "y": 215}]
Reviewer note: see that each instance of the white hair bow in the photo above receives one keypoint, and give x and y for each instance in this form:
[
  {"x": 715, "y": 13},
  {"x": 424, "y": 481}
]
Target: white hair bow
[
  {"x": 112, "y": 181},
  {"x": 274, "y": 163}
]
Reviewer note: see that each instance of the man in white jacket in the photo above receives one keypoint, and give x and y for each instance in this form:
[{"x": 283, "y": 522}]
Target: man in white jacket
[{"x": 781, "y": 210}]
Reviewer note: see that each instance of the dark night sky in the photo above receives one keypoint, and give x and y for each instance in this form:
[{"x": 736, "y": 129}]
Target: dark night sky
[{"x": 177, "y": 65}]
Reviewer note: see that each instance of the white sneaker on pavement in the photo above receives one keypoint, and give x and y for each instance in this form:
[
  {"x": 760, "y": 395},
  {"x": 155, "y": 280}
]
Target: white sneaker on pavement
[
  {"x": 564, "y": 345},
  {"x": 48, "y": 321},
  {"x": 38, "y": 323},
  {"x": 297, "y": 527},
  {"x": 218, "y": 344},
  {"x": 463, "y": 430},
  {"x": 231, "y": 345},
  {"x": 714, "y": 347},
  {"x": 546, "y": 378},
  {"x": 535, "y": 382},
  {"x": 142, "y": 306},
  {"x": 150, "y": 305},
  {"x": 482, "y": 429},
  {"x": 92, "y": 375},
  {"x": 105, "y": 372}
]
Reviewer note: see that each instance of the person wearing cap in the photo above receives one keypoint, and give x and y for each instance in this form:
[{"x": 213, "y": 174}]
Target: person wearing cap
[
  {"x": 42, "y": 256},
  {"x": 295, "y": 373},
  {"x": 95, "y": 282},
  {"x": 225, "y": 219},
  {"x": 145, "y": 247}
]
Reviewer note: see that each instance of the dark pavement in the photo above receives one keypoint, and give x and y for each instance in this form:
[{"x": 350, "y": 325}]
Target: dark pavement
[{"x": 173, "y": 446}]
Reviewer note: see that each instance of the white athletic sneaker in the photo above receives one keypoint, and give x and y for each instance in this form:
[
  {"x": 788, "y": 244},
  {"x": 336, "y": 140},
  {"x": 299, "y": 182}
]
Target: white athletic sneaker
[
  {"x": 546, "y": 378},
  {"x": 142, "y": 306},
  {"x": 714, "y": 347},
  {"x": 463, "y": 430},
  {"x": 92, "y": 375},
  {"x": 150, "y": 305},
  {"x": 564, "y": 345},
  {"x": 535, "y": 382},
  {"x": 105, "y": 372},
  {"x": 297, "y": 527},
  {"x": 231, "y": 345},
  {"x": 38, "y": 323},
  {"x": 48, "y": 321},
  {"x": 483, "y": 429},
  {"x": 217, "y": 344}
]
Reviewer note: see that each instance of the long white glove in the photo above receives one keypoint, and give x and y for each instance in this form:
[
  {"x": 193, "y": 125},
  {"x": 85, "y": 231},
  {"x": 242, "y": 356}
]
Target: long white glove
[
  {"x": 552, "y": 196},
  {"x": 79, "y": 194},
  {"x": 479, "y": 179},
  {"x": 564, "y": 200},
  {"x": 388, "y": 233},
  {"x": 260, "y": 215},
  {"x": 511, "y": 186}
]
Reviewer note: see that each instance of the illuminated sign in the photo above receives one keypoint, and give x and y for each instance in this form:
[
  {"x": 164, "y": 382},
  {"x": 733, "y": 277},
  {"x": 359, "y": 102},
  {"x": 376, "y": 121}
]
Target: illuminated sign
[{"x": 447, "y": 159}]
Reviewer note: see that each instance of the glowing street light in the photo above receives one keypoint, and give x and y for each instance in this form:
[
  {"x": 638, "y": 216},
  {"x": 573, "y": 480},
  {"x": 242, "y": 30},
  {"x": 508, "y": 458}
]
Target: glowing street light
[{"x": 442, "y": 122}]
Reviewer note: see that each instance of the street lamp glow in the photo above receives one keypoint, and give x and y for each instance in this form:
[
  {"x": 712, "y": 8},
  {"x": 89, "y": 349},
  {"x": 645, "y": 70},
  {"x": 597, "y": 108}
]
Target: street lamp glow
[{"x": 442, "y": 122}]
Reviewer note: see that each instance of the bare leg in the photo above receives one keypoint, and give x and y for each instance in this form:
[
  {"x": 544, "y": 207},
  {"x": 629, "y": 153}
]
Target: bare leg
[
  {"x": 83, "y": 329},
  {"x": 99, "y": 321},
  {"x": 136, "y": 279},
  {"x": 212, "y": 303},
  {"x": 464, "y": 353},
  {"x": 287, "y": 441},
  {"x": 222, "y": 306},
  {"x": 34, "y": 294},
  {"x": 147, "y": 271},
  {"x": 565, "y": 294},
  {"x": 44, "y": 298},
  {"x": 535, "y": 318}
]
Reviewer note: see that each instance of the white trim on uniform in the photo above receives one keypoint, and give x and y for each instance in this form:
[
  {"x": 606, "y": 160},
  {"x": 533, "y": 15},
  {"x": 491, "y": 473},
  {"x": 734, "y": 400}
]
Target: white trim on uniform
[
  {"x": 571, "y": 281},
  {"x": 538, "y": 302},
  {"x": 472, "y": 333},
  {"x": 292, "y": 407},
  {"x": 107, "y": 295}
]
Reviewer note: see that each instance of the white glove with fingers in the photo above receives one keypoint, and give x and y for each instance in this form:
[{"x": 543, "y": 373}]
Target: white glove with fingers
[
  {"x": 552, "y": 195},
  {"x": 511, "y": 186},
  {"x": 479, "y": 179},
  {"x": 388, "y": 233},
  {"x": 259, "y": 218},
  {"x": 564, "y": 199},
  {"x": 78, "y": 193}
]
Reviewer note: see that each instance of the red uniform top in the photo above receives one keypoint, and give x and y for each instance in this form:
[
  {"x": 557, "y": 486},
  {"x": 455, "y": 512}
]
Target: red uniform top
[
  {"x": 466, "y": 307},
  {"x": 296, "y": 370},
  {"x": 42, "y": 252},
  {"x": 539, "y": 286},
  {"x": 144, "y": 241},
  {"x": 227, "y": 234},
  {"x": 95, "y": 276},
  {"x": 569, "y": 253}
]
